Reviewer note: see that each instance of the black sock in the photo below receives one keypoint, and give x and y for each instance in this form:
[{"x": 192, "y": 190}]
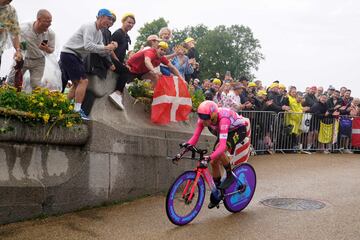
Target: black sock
[
  {"x": 217, "y": 181},
  {"x": 228, "y": 168}
]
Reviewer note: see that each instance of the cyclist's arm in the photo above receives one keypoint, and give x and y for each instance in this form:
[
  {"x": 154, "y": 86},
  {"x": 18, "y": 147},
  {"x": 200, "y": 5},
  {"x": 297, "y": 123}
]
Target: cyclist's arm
[
  {"x": 224, "y": 125},
  {"x": 195, "y": 138}
]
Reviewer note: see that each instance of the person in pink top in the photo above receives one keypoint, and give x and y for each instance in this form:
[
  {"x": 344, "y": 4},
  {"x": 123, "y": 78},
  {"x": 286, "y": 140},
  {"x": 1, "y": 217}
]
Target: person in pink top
[{"x": 230, "y": 129}]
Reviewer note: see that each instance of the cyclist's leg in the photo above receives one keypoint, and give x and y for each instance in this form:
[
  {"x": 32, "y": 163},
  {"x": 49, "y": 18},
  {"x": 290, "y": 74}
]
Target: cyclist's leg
[{"x": 235, "y": 137}]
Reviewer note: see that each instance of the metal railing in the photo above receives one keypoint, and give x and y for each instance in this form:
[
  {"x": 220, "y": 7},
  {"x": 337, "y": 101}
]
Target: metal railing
[{"x": 300, "y": 132}]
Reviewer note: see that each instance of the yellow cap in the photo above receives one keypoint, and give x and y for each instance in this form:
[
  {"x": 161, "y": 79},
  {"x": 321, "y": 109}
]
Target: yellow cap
[
  {"x": 126, "y": 15},
  {"x": 216, "y": 81},
  {"x": 274, "y": 85},
  {"x": 114, "y": 15},
  {"x": 282, "y": 86},
  {"x": 163, "y": 45},
  {"x": 189, "y": 39},
  {"x": 252, "y": 84},
  {"x": 261, "y": 93}
]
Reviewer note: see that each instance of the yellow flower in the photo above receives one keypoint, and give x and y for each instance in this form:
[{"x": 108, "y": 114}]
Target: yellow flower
[
  {"x": 54, "y": 104},
  {"x": 147, "y": 85},
  {"x": 71, "y": 107},
  {"x": 60, "y": 112},
  {"x": 46, "y": 117},
  {"x": 41, "y": 104},
  {"x": 69, "y": 124}
]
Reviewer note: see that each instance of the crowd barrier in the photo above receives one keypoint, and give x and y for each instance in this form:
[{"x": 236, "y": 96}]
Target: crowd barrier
[{"x": 303, "y": 132}]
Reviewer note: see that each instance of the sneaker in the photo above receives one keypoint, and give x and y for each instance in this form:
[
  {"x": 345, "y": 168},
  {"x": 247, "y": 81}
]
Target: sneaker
[
  {"x": 227, "y": 182},
  {"x": 83, "y": 115},
  {"x": 117, "y": 100},
  {"x": 212, "y": 205},
  {"x": 348, "y": 151},
  {"x": 326, "y": 152},
  {"x": 214, "y": 201}
]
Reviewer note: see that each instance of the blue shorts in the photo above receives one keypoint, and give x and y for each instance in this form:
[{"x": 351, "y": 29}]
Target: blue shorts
[{"x": 72, "y": 67}]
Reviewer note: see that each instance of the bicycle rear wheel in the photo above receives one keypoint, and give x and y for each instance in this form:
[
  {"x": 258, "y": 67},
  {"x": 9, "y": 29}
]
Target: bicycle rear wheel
[
  {"x": 238, "y": 199},
  {"x": 179, "y": 208}
]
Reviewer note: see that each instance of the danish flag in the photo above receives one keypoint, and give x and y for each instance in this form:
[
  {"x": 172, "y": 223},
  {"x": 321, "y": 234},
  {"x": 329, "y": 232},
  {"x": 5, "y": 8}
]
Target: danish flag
[
  {"x": 355, "y": 138},
  {"x": 171, "y": 101}
]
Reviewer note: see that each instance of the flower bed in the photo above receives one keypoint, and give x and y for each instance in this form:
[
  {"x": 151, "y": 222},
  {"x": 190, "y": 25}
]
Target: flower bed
[
  {"x": 41, "y": 106},
  {"x": 40, "y": 117}
]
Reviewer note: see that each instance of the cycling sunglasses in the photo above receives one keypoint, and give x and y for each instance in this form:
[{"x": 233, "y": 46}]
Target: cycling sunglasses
[{"x": 204, "y": 116}]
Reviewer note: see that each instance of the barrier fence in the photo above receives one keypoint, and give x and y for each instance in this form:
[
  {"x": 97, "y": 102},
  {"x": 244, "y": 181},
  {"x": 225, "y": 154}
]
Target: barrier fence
[{"x": 303, "y": 132}]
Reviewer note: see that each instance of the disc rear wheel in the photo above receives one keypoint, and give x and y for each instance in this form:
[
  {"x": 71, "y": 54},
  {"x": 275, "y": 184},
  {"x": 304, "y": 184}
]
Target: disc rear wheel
[{"x": 241, "y": 191}]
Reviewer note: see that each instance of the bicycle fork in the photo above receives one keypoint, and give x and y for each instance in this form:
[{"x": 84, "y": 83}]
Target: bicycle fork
[{"x": 188, "y": 196}]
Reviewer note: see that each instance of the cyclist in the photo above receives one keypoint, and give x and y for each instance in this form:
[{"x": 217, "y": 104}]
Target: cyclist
[{"x": 230, "y": 129}]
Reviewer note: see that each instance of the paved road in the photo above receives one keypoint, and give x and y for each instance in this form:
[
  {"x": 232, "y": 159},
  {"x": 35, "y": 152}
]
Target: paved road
[{"x": 332, "y": 179}]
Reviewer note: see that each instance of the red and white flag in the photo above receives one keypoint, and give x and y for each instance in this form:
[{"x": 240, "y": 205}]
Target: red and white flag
[
  {"x": 355, "y": 138},
  {"x": 242, "y": 152},
  {"x": 171, "y": 101}
]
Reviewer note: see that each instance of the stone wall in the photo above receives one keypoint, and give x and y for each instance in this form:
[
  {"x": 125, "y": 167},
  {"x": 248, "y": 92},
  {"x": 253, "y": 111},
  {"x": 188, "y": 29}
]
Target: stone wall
[{"x": 117, "y": 156}]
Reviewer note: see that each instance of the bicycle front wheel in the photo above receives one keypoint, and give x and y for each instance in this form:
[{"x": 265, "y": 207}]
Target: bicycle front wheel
[
  {"x": 237, "y": 198},
  {"x": 183, "y": 205}
]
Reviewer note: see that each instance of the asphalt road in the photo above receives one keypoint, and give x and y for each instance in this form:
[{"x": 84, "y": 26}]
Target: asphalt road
[{"x": 332, "y": 179}]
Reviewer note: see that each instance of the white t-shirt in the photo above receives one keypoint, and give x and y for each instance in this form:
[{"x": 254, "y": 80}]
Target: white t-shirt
[{"x": 33, "y": 40}]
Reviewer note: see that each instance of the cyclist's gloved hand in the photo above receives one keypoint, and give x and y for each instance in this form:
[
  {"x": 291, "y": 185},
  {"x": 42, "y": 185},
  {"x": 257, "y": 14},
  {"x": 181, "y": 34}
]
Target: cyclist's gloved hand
[
  {"x": 205, "y": 161},
  {"x": 207, "y": 158},
  {"x": 185, "y": 145}
]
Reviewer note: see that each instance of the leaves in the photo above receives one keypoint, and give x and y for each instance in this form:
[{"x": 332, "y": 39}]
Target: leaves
[
  {"x": 141, "y": 89},
  {"x": 40, "y": 106},
  {"x": 149, "y": 29},
  {"x": 197, "y": 97}
]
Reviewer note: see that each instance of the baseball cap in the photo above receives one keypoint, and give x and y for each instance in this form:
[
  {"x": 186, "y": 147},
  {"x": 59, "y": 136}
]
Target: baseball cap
[
  {"x": 331, "y": 87},
  {"x": 163, "y": 45},
  {"x": 274, "y": 85},
  {"x": 126, "y": 15},
  {"x": 216, "y": 81},
  {"x": 153, "y": 38},
  {"x": 113, "y": 15},
  {"x": 105, "y": 12},
  {"x": 189, "y": 39},
  {"x": 252, "y": 84},
  {"x": 282, "y": 86},
  {"x": 261, "y": 93}
]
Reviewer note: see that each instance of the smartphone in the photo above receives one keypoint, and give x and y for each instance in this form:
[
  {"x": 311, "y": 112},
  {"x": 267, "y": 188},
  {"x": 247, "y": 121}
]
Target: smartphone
[{"x": 44, "y": 42}]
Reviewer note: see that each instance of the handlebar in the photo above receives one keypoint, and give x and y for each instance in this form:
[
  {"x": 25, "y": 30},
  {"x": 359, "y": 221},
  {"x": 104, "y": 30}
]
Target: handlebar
[{"x": 194, "y": 150}]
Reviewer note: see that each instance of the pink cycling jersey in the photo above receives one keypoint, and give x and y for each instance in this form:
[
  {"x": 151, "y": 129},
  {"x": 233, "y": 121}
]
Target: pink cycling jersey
[{"x": 228, "y": 120}]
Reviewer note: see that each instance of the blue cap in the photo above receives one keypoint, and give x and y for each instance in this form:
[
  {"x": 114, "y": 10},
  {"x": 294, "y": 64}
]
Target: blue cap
[{"x": 104, "y": 12}]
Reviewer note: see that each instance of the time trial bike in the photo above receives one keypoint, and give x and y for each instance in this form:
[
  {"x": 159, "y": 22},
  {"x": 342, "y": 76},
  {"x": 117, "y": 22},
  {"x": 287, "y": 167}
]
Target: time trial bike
[{"x": 186, "y": 195}]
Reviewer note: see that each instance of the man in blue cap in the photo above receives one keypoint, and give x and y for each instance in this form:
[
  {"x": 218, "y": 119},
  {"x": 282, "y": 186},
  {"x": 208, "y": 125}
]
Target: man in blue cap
[{"x": 87, "y": 39}]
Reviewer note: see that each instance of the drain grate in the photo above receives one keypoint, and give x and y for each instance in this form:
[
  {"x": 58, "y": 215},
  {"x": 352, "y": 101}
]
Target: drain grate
[{"x": 295, "y": 204}]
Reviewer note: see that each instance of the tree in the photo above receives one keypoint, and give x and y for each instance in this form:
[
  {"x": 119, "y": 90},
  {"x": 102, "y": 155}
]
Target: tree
[
  {"x": 229, "y": 49},
  {"x": 149, "y": 29},
  {"x": 196, "y": 32}
]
